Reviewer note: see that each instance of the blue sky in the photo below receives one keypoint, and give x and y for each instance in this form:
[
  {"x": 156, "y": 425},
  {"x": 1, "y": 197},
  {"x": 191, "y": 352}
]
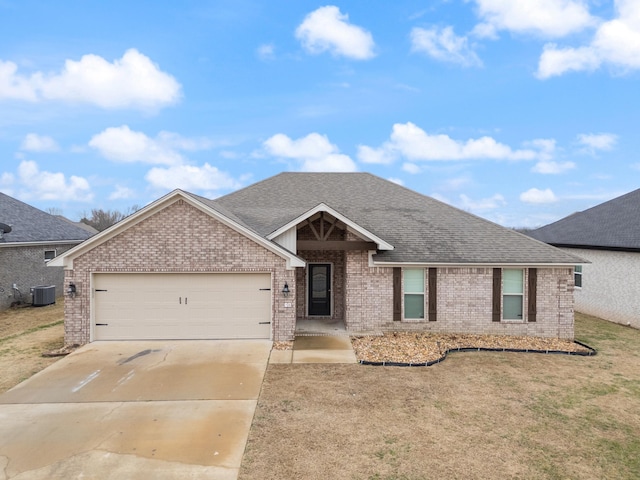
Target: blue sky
[{"x": 520, "y": 112}]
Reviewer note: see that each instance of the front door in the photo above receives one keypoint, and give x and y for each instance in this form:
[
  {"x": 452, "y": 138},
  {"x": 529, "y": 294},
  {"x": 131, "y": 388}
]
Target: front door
[{"x": 319, "y": 289}]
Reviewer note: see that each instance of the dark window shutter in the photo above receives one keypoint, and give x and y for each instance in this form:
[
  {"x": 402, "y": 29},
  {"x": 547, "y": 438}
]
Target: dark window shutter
[
  {"x": 497, "y": 294},
  {"x": 397, "y": 294},
  {"x": 533, "y": 293},
  {"x": 433, "y": 294}
]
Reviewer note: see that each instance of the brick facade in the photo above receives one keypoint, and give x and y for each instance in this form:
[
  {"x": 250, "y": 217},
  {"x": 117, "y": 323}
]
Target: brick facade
[
  {"x": 464, "y": 301},
  {"x": 180, "y": 238},
  {"x": 177, "y": 239}
]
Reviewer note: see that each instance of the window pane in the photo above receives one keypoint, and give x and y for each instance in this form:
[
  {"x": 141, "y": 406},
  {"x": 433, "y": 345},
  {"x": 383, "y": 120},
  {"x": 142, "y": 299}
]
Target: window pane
[
  {"x": 319, "y": 282},
  {"x": 578, "y": 276},
  {"x": 513, "y": 307},
  {"x": 512, "y": 281},
  {"x": 413, "y": 306},
  {"x": 414, "y": 280}
]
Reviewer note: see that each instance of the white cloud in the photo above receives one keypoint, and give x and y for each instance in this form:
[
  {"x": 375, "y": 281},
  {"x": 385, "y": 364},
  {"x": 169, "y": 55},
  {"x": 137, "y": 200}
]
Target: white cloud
[
  {"x": 490, "y": 203},
  {"x": 536, "y": 196},
  {"x": 551, "y": 167},
  {"x": 315, "y": 152},
  {"x": 44, "y": 185},
  {"x": 121, "y": 193},
  {"x": 444, "y": 45},
  {"x": 266, "y": 51},
  {"x": 132, "y": 81},
  {"x": 39, "y": 143},
  {"x": 411, "y": 142},
  {"x": 548, "y": 18},
  {"x": 326, "y": 29},
  {"x": 616, "y": 43},
  {"x": 597, "y": 141},
  {"x": 555, "y": 61},
  {"x": 546, "y": 147},
  {"x": 380, "y": 156},
  {"x": 6, "y": 179},
  {"x": 121, "y": 144},
  {"x": 13, "y": 86},
  {"x": 192, "y": 178},
  {"x": 411, "y": 168},
  {"x": 395, "y": 180}
]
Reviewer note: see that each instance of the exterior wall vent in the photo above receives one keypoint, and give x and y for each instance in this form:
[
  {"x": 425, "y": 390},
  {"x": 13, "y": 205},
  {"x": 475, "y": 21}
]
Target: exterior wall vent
[{"x": 43, "y": 295}]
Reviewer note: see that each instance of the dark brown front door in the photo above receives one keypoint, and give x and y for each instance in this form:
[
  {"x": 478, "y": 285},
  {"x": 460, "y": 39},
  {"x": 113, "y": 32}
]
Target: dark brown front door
[{"x": 319, "y": 289}]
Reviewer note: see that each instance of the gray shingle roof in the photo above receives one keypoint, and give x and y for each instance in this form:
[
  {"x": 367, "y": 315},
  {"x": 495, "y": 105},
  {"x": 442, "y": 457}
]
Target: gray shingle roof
[
  {"x": 614, "y": 224},
  {"x": 28, "y": 224},
  {"x": 420, "y": 228}
]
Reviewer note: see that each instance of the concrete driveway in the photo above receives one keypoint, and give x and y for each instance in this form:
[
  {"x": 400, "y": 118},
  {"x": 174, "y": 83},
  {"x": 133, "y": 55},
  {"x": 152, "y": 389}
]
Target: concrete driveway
[{"x": 114, "y": 410}]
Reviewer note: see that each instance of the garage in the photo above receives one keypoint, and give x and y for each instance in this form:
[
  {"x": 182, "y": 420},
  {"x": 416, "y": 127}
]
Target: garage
[{"x": 181, "y": 306}]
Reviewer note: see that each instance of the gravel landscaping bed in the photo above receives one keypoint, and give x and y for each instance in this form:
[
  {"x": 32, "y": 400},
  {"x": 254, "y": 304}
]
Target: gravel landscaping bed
[{"x": 420, "y": 348}]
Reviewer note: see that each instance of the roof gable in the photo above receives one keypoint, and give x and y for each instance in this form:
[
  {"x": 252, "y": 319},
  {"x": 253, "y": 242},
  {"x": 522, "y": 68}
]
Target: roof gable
[
  {"x": 31, "y": 225},
  {"x": 362, "y": 232},
  {"x": 66, "y": 259},
  {"x": 421, "y": 230},
  {"x": 611, "y": 225}
]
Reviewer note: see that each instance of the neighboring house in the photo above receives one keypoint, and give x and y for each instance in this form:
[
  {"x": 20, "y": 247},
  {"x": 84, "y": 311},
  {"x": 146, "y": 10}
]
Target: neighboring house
[
  {"x": 335, "y": 247},
  {"x": 608, "y": 236},
  {"x": 29, "y": 239}
]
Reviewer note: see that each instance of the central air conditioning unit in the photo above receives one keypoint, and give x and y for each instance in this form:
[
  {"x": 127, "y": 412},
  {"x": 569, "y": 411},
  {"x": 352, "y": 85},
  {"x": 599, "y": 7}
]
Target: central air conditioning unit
[{"x": 43, "y": 295}]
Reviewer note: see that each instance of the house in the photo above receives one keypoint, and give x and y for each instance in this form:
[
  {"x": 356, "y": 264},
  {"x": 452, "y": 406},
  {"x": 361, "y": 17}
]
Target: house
[
  {"x": 608, "y": 236},
  {"x": 29, "y": 239},
  {"x": 335, "y": 247}
]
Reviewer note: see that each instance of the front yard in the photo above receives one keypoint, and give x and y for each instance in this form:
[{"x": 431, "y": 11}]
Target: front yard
[
  {"x": 476, "y": 415},
  {"x": 25, "y": 334}
]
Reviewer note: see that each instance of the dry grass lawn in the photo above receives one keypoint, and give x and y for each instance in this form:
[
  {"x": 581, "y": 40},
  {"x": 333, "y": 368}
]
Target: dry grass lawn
[
  {"x": 476, "y": 415},
  {"x": 25, "y": 334}
]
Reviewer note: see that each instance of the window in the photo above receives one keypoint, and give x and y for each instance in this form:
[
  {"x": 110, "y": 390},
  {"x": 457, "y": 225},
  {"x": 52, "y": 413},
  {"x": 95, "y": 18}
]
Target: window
[
  {"x": 577, "y": 275},
  {"x": 414, "y": 293},
  {"x": 49, "y": 255},
  {"x": 512, "y": 293}
]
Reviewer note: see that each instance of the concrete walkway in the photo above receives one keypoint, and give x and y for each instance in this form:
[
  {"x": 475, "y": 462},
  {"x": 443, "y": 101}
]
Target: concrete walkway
[{"x": 316, "y": 349}]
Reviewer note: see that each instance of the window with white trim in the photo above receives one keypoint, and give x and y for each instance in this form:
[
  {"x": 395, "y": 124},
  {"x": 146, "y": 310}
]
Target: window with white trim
[
  {"x": 577, "y": 275},
  {"x": 413, "y": 293},
  {"x": 512, "y": 293},
  {"x": 49, "y": 255}
]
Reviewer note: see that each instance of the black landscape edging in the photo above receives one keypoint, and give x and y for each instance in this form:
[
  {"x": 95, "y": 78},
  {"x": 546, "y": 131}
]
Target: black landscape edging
[{"x": 592, "y": 351}]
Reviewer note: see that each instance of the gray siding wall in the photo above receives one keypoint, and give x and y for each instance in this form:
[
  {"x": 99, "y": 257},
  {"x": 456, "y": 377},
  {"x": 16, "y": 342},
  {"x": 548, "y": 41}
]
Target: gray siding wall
[
  {"x": 25, "y": 266},
  {"x": 610, "y": 285}
]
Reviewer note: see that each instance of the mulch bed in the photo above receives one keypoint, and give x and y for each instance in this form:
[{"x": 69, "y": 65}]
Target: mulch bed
[{"x": 422, "y": 348}]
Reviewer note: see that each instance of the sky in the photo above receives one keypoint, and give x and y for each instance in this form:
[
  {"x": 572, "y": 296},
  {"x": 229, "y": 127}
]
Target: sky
[{"x": 519, "y": 112}]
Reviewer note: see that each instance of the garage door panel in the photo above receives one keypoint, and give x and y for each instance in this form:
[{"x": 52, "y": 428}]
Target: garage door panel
[{"x": 182, "y": 306}]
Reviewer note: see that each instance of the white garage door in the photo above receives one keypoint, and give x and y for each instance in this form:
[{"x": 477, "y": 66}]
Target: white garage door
[{"x": 129, "y": 306}]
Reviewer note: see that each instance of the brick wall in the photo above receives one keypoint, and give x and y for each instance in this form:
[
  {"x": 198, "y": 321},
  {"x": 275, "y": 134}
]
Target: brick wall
[
  {"x": 464, "y": 300},
  {"x": 369, "y": 294},
  {"x": 179, "y": 238},
  {"x": 25, "y": 266}
]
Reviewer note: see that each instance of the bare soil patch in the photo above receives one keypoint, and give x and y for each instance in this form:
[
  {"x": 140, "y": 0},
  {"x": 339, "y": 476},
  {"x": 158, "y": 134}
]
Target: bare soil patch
[
  {"x": 25, "y": 334},
  {"x": 477, "y": 415}
]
